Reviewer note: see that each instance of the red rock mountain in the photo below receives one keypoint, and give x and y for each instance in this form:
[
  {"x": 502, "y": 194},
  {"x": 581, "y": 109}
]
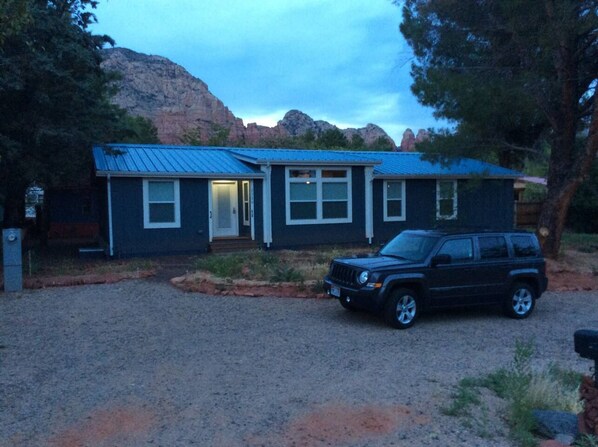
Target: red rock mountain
[{"x": 180, "y": 104}]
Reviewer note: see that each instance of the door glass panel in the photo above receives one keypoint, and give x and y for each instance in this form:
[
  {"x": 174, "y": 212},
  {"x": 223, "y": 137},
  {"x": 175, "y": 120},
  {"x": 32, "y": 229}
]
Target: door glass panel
[{"x": 224, "y": 207}]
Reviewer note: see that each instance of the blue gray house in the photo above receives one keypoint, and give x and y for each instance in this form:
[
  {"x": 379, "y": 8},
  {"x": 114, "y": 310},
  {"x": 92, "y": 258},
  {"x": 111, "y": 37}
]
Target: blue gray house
[{"x": 175, "y": 199}]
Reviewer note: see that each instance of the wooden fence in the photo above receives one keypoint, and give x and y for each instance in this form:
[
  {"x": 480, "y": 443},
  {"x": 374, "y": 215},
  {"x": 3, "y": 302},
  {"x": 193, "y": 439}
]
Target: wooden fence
[{"x": 527, "y": 213}]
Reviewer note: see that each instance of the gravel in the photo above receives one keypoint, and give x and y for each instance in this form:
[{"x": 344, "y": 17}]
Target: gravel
[{"x": 141, "y": 363}]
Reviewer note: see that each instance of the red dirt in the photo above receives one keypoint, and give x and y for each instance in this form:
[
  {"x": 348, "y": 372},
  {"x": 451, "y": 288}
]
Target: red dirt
[
  {"x": 116, "y": 426},
  {"x": 559, "y": 280},
  {"x": 564, "y": 277},
  {"x": 42, "y": 282},
  {"x": 205, "y": 283},
  {"x": 343, "y": 423}
]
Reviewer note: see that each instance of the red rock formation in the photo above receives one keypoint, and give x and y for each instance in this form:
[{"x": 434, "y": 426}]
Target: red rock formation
[{"x": 179, "y": 104}]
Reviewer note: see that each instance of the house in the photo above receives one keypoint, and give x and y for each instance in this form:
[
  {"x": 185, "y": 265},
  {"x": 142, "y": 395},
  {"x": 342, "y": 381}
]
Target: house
[{"x": 174, "y": 199}]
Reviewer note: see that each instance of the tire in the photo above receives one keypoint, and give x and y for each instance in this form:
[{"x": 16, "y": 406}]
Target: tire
[
  {"x": 347, "y": 305},
  {"x": 402, "y": 308},
  {"x": 521, "y": 301}
]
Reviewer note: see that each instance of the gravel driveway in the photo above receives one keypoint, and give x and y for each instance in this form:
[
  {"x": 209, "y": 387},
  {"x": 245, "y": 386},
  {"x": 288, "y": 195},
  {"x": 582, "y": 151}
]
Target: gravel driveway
[{"x": 141, "y": 363}]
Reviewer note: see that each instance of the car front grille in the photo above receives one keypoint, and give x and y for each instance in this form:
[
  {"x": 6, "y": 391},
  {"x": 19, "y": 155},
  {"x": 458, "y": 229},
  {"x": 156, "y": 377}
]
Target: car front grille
[{"x": 342, "y": 274}]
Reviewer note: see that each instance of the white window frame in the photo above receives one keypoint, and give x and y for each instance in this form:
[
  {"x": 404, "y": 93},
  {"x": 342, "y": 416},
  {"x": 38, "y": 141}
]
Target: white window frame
[
  {"x": 245, "y": 201},
  {"x": 453, "y": 216},
  {"x": 146, "y": 205},
  {"x": 319, "y": 180},
  {"x": 403, "y": 216}
]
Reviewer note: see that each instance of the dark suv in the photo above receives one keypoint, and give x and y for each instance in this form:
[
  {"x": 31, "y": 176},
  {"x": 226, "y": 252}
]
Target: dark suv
[{"x": 420, "y": 270}]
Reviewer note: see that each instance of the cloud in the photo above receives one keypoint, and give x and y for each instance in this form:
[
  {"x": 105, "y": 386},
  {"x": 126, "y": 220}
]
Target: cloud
[{"x": 340, "y": 61}]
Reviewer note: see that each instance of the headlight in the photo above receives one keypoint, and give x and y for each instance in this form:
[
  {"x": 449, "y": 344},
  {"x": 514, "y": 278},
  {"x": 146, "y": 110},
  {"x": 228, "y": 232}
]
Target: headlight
[{"x": 363, "y": 277}]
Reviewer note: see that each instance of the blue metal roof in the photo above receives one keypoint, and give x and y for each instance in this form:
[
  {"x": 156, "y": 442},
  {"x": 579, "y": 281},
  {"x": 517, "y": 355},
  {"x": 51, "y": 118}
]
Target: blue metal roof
[
  {"x": 180, "y": 161},
  {"x": 305, "y": 156},
  {"x": 226, "y": 162},
  {"x": 413, "y": 164}
]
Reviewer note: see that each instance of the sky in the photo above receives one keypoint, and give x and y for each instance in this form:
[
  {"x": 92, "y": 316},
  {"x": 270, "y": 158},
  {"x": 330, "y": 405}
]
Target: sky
[{"x": 343, "y": 61}]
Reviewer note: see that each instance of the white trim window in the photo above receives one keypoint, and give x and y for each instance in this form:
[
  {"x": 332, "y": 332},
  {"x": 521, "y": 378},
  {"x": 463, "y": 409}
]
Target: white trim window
[
  {"x": 161, "y": 204},
  {"x": 446, "y": 199},
  {"x": 318, "y": 195},
  {"x": 245, "y": 201},
  {"x": 394, "y": 200}
]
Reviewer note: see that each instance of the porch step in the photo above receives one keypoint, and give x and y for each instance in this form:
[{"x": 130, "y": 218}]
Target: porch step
[{"x": 233, "y": 244}]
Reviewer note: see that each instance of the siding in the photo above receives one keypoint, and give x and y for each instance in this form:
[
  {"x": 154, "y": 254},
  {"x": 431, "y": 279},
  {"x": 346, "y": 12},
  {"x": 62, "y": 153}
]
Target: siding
[
  {"x": 131, "y": 239},
  {"x": 481, "y": 203},
  {"x": 284, "y": 235}
]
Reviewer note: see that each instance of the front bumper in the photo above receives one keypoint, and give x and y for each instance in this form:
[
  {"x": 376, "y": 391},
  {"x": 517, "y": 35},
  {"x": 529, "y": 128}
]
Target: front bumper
[{"x": 364, "y": 298}]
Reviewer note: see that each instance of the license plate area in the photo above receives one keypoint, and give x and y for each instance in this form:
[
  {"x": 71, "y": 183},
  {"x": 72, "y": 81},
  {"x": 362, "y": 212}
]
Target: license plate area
[{"x": 335, "y": 291}]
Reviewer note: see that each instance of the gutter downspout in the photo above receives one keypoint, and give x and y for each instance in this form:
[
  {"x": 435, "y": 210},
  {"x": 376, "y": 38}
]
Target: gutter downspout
[
  {"x": 110, "y": 234},
  {"x": 267, "y": 205},
  {"x": 369, "y": 204}
]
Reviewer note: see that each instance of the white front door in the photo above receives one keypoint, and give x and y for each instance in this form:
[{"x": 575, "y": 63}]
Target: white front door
[{"x": 224, "y": 203}]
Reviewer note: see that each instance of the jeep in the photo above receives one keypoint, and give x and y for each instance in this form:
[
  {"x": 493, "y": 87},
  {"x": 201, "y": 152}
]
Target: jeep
[{"x": 431, "y": 269}]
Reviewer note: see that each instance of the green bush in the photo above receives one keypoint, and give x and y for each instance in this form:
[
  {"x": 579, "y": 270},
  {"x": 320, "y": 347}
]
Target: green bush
[
  {"x": 228, "y": 266},
  {"x": 524, "y": 390},
  {"x": 285, "y": 273}
]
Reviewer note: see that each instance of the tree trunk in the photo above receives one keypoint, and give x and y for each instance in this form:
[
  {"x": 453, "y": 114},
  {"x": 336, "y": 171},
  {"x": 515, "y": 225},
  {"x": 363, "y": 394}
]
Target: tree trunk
[
  {"x": 562, "y": 189},
  {"x": 551, "y": 223}
]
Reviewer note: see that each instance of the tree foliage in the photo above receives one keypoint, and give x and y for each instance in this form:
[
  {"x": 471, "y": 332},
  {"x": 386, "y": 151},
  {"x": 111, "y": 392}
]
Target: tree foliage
[
  {"x": 54, "y": 98},
  {"x": 512, "y": 75}
]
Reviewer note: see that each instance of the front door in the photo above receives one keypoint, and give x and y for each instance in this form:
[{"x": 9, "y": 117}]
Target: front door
[{"x": 224, "y": 204}]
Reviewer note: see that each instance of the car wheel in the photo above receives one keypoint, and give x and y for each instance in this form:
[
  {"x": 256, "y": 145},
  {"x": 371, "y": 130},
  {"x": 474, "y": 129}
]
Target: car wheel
[
  {"x": 347, "y": 305},
  {"x": 521, "y": 301},
  {"x": 402, "y": 308}
]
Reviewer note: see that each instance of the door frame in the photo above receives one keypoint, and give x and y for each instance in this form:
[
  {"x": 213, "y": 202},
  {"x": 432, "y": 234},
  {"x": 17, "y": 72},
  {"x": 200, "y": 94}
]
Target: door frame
[{"x": 234, "y": 207}]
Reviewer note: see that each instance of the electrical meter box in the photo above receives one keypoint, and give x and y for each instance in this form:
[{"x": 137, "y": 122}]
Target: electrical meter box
[{"x": 12, "y": 259}]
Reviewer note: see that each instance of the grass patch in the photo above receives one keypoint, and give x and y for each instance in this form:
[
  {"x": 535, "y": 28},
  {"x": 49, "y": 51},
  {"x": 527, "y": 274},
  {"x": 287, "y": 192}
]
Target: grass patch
[
  {"x": 275, "y": 266},
  {"x": 54, "y": 261},
  {"x": 524, "y": 390},
  {"x": 255, "y": 264},
  {"x": 586, "y": 441},
  {"x": 582, "y": 242}
]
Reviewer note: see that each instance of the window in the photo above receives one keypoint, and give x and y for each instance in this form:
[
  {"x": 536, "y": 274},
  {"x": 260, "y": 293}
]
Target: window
[
  {"x": 161, "y": 204},
  {"x": 523, "y": 246},
  {"x": 493, "y": 247},
  {"x": 246, "y": 215},
  {"x": 446, "y": 199},
  {"x": 394, "y": 200},
  {"x": 317, "y": 195},
  {"x": 460, "y": 250}
]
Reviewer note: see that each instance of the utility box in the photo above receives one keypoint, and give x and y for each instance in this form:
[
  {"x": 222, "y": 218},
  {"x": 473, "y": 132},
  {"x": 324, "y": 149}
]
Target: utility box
[{"x": 13, "y": 260}]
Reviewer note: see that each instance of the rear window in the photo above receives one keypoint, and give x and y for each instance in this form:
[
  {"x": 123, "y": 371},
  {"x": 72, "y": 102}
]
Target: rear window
[
  {"x": 523, "y": 246},
  {"x": 493, "y": 247}
]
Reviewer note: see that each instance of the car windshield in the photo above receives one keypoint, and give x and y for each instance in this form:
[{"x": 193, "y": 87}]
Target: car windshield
[{"x": 410, "y": 246}]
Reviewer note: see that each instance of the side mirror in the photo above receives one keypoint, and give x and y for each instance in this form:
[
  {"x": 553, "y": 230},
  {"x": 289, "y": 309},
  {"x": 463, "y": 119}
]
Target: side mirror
[{"x": 441, "y": 259}]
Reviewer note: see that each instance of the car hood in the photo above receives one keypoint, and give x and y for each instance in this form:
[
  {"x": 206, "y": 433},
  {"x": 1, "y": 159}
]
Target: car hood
[{"x": 374, "y": 262}]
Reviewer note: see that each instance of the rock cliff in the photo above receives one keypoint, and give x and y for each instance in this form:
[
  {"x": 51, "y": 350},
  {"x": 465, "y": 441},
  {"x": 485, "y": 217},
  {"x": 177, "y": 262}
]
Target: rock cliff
[{"x": 182, "y": 107}]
